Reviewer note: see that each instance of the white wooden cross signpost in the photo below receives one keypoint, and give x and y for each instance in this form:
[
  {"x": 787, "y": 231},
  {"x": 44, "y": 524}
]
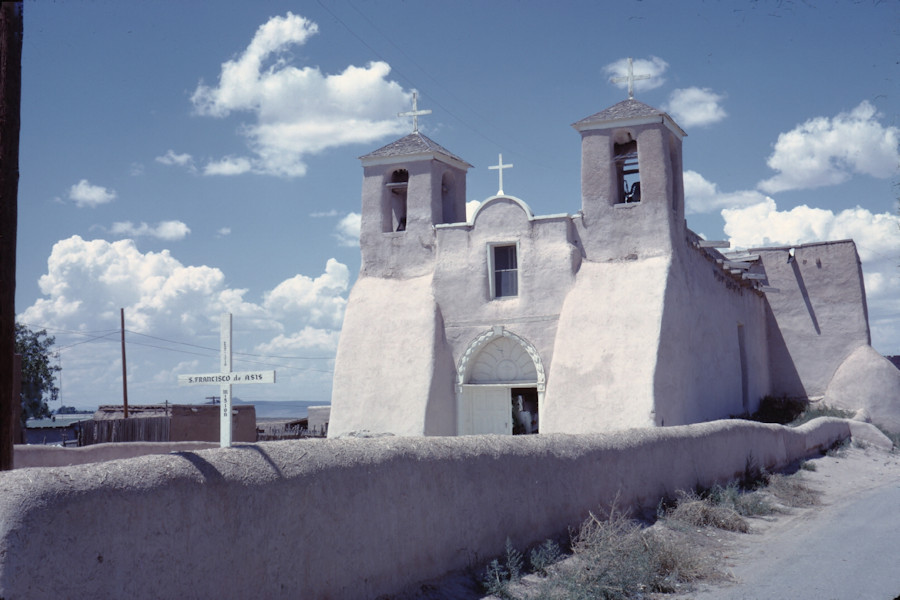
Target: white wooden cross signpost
[{"x": 226, "y": 378}]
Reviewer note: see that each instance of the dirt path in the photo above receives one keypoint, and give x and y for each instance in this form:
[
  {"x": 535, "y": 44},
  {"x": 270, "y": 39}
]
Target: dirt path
[{"x": 848, "y": 547}]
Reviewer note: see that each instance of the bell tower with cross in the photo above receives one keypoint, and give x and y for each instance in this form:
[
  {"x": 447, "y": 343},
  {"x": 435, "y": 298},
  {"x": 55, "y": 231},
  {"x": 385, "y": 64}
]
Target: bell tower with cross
[
  {"x": 409, "y": 186},
  {"x": 632, "y": 189}
]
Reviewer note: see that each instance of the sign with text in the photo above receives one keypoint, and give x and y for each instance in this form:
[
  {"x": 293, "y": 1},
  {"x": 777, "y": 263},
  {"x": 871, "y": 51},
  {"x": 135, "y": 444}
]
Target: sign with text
[
  {"x": 225, "y": 379},
  {"x": 228, "y": 378}
]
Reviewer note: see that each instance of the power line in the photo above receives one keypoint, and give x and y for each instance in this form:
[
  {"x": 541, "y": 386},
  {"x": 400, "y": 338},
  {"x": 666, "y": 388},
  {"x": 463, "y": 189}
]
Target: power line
[{"x": 235, "y": 352}]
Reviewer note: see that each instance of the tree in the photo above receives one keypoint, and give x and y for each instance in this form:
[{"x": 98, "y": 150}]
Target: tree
[{"x": 38, "y": 375}]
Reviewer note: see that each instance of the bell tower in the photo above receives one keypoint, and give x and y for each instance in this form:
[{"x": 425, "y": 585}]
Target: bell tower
[
  {"x": 632, "y": 189},
  {"x": 409, "y": 186}
]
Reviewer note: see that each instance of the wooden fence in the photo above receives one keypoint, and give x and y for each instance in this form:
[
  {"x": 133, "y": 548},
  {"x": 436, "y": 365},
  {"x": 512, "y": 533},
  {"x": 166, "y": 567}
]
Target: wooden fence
[{"x": 145, "y": 429}]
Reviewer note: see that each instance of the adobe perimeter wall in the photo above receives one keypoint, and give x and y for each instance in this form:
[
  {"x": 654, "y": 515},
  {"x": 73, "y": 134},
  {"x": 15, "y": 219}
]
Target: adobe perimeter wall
[
  {"x": 346, "y": 518},
  {"x": 34, "y": 455}
]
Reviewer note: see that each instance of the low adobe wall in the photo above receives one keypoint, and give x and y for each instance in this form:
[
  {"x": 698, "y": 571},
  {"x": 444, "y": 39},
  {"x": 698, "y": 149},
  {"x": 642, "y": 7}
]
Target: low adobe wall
[
  {"x": 346, "y": 518},
  {"x": 35, "y": 455}
]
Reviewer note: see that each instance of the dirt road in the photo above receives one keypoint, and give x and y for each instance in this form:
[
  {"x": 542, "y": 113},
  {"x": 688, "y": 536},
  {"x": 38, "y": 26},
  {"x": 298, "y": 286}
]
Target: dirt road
[{"x": 848, "y": 547}]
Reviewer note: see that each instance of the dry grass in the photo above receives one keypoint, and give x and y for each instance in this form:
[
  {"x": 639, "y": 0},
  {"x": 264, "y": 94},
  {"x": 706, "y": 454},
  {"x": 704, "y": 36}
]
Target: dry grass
[
  {"x": 702, "y": 512},
  {"x": 614, "y": 557},
  {"x": 792, "y": 491}
]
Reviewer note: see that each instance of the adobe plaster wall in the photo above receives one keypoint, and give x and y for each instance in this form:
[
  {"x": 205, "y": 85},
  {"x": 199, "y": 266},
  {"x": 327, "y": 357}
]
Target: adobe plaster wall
[
  {"x": 611, "y": 231},
  {"x": 818, "y": 316},
  {"x": 868, "y": 381},
  {"x": 605, "y": 353},
  {"x": 392, "y": 349},
  {"x": 350, "y": 518},
  {"x": 547, "y": 261},
  {"x": 26, "y": 456},
  {"x": 699, "y": 376}
]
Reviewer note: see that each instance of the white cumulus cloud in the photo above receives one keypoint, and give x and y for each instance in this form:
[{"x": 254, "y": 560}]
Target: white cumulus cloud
[
  {"x": 876, "y": 234},
  {"x": 703, "y": 196},
  {"x": 305, "y": 339},
  {"x": 165, "y": 230},
  {"x": 471, "y": 209},
  {"x": 84, "y": 193},
  {"x": 653, "y": 66},
  {"x": 827, "y": 151},
  {"x": 230, "y": 165},
  {"x": 297, "y": 111},
  {"x": 695, "y": 106},
  {"x": 88, "y": 281},
  {"x": 320, "y": 299},
  {"x": 347, "y": 229},
  {"x": 172, "y": 158}
]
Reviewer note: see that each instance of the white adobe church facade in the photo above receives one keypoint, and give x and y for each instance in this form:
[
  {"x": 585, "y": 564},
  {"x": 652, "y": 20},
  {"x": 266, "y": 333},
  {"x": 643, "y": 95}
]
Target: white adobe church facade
[{"x": 616, "y": 316}]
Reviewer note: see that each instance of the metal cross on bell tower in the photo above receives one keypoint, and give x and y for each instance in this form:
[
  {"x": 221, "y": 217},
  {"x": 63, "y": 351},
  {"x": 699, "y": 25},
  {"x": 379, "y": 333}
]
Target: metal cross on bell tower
[
  {"x": 415, "y": 113},
  {"x": 630, "y": 78}
]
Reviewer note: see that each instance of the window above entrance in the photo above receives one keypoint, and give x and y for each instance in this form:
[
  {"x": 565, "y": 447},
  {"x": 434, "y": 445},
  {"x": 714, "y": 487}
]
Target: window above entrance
[{"x": 504, "y": 271}]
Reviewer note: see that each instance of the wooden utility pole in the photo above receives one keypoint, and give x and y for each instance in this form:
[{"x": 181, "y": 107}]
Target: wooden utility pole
[
  {"x": 124, "y": 370},
  {"x": 11, "y": 29}
]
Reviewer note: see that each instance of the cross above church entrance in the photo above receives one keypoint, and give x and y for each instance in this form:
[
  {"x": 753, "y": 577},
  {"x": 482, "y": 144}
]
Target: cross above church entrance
[
  {"x": 630, "y": 78},
  {"x": 499, "y": 167},
  {"x": 415, "y": 113}
]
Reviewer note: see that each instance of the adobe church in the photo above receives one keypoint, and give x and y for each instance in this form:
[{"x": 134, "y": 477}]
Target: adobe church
[{"x": 613, "y": 317}]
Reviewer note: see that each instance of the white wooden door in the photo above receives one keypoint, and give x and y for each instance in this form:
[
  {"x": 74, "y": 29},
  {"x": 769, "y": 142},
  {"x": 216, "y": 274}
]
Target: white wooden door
[{"x": 485, "y": 409}]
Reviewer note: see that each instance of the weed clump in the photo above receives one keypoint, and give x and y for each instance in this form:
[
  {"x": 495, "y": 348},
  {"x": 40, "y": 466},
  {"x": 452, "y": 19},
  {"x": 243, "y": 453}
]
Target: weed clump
[
  {"x": 498, "y": 576},
  {"x": 545, "y": 555},
  {"x": 819, "y": 410},
  {"x": 617, "y": 558},
  {"x": 792, "y": 491},
  {"x": 696, "y": 511},
  {"x": 614, "y": 557}
]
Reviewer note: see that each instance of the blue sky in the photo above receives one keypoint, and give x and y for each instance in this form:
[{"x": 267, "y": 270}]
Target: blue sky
[{"x": 184, "y": 159}]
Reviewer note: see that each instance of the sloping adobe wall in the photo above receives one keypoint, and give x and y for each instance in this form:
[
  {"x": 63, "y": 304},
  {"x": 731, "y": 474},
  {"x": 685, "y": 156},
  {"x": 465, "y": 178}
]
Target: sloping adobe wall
[
  {"x": 394, "y": 371},
  {"x": 605, "y": 355},
  {"x": 349, "y": 518},
  {"x": 819, "y": 314}
]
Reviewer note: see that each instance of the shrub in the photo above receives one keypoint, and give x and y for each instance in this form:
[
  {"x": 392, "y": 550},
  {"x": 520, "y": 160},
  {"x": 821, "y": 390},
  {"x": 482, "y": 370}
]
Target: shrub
[
  {"x": 497, "y": 576},
  {"x": 819, "y": 410},
  {"x": 779, "y": 410},
  {"x": 543, "y": 556},
  {"x": 616, "y": 558}
]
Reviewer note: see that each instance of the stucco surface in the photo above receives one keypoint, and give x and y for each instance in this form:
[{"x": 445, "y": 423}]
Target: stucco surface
[
  {"x": 605, "y": 354},
  {"x": 392, "y": 349},
  {"x": 56, "y": 456},
  {"x": 866, "y": 380},
  {"x": 699, "y": 375},
  {"x": 819, "y": 313},
  {"x": 345, "y": 518}
]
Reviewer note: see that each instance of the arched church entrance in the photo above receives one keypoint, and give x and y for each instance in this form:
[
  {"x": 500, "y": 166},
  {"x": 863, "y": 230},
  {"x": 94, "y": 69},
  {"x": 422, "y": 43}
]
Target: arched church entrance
[{"x": 500, "y": 385}]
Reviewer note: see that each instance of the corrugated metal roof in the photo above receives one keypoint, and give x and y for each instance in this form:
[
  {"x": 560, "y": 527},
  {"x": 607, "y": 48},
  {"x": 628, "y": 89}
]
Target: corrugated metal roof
[{"x": 414, "y": 143}]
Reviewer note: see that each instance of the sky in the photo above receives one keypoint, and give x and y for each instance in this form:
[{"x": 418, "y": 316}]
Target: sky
[{"x": 181, "y": 160}]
